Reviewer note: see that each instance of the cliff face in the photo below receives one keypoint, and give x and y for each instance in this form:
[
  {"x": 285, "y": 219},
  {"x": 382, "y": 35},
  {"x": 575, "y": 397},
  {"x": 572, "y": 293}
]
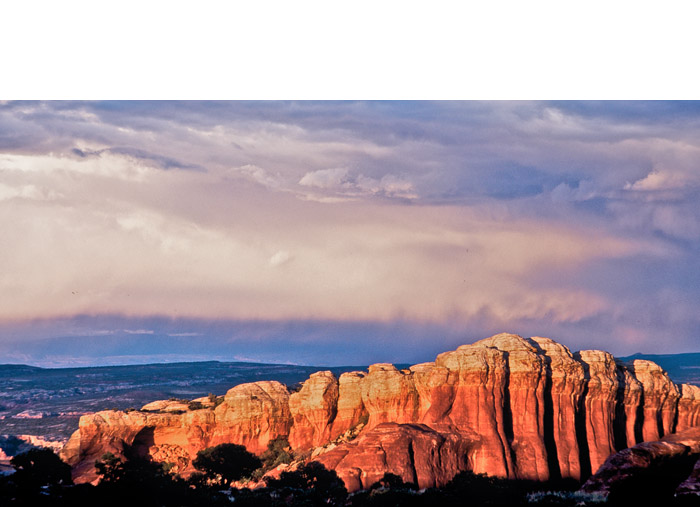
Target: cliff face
[{"x": 504, "y": 406}]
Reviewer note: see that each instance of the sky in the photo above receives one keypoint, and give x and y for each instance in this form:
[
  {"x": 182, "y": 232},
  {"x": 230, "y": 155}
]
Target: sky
[{"x": 344, "y": 233}]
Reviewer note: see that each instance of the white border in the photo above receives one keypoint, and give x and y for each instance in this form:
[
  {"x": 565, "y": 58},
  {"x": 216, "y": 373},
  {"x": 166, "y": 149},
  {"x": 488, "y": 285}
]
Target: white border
[{"x": 347, "y": 50}]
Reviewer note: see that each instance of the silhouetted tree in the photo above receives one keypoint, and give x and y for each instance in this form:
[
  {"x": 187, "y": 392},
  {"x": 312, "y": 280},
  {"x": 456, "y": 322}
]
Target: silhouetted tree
[
  {"x": 40, "y": 467},
  {"x": 392, "y": 481},
  {"x": 311, "y": 484},
  {"x": 226, "y": 463},
  {"x": 389, "y": 491},
  {"x": 39, "y": 479}
]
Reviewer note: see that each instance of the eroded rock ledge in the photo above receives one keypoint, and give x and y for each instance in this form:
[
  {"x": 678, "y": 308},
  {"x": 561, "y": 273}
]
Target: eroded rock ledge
[{"x": 506, "y": 406}]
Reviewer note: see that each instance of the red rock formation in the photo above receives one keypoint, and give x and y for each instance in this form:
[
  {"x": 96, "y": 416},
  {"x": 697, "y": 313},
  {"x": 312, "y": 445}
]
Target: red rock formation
[
  {"x": 389, "y": 395},
  {"x": 526, "y": 384},
  {"x": 688, "y": 407},
  {"x": 477, "y": 405},
  {"x": 660, "y": 399},
  {"x": 599, "y": 404},
  {"x": 564, "y": 392},
  {"x": 313, "y": 410},
  {"x": 415, "y": 452},
  {"x": 252, "y": 415},
  {"x": 144, "y": 433},
  {"x": 675, "y": 453},
  {"x": 350, "y": 410},
  {"x": 513, "y": 407},
  {"x": 436, "y": 391},
  {"x": 629, "y": 397},
  {"x": 622, "y": 465}
]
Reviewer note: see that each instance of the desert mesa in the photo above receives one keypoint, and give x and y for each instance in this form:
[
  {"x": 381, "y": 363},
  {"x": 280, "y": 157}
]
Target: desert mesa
[{"x": 505, "y": 406}]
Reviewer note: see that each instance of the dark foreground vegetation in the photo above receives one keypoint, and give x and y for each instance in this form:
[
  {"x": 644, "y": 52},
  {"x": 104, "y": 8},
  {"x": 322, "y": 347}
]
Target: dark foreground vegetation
[{"x": 42, "y": 479}]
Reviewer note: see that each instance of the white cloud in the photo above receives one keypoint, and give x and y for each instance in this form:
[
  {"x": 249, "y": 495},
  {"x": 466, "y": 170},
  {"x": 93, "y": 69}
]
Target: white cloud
[
  {"x": 389, "y": 185},
  {"x": 280, "y": 257},
  {"x": 138, "y": 331},
  {"x": 340, "y": 182},
  {"x": 660, "y": 180},
  {"x": 31, "y": 192},
  {"x": 259, "y": 175},
  {"x": 333, "y": 179}
]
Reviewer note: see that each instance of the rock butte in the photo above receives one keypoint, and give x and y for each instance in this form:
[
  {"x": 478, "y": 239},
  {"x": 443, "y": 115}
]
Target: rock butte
[{"x": 505, "y": 406}]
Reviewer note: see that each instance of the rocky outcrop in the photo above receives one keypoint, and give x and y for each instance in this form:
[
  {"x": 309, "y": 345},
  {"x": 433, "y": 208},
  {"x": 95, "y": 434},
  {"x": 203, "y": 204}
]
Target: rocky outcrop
[
  {"x": 251, "y": 415},
  {"x": 475, "y": 401},
  {"x": 690, "y": 487},
  {"x": 688, "y": 407},
  {"x": 599, "y": 405},
  {"x": 564, "y": 385},
  {"x": 313, "y": 410},
  {"x": 660, "y": 398},
  {"x": 415, "y": 452},
  {"x": 629, "y": 398},
  {"x": 350, "y": 410},
  {"x": 505, "y": 406},
  {"x": 389, "y": 395},
  {"x": 671, "y": 462}
]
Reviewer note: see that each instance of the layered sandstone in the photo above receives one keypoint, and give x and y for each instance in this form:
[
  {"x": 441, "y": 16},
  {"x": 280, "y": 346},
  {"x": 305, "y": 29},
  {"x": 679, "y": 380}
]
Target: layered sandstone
[
  {"x": 475, "y": 401},
  {"x": 313, "y": 410},
  {"x": 660, "y": 399},
  {"x": 505, "y": 406},
  {"x": 599, "y": 405},
  {"x": 350, "y": 409},
  {"x": 629, "y": 398},
  {"x": 563, "y": 390},
  {"x": 524, "y": 407}
]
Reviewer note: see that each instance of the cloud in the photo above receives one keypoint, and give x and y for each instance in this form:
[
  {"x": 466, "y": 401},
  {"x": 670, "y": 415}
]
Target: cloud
[
  {"x": 259, "y": 175},
  {"x": 280, "y": 257},
  {"x": 333, "y": 179},
  {"x": 139, "y": 331},
  {"x": 340, "y": 182},
  {"x": 478, "y": 213},
  {"x": 140, "y": 155},
  {"x": 658, "y": 180},
  {"x": 30, "y": 192},
  {"x": 583, "y": 191}
]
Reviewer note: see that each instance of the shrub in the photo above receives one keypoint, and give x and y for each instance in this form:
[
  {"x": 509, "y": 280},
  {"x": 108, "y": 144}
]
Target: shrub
[{"x": 278, "y": 452}]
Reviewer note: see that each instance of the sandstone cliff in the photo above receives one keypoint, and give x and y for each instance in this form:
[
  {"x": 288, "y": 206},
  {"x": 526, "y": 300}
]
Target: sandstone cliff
[{"x": 505, "y": 406}]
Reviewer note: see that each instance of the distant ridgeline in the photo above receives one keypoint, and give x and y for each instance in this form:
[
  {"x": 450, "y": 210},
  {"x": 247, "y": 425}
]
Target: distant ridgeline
[{"x": 505, "y": 406}]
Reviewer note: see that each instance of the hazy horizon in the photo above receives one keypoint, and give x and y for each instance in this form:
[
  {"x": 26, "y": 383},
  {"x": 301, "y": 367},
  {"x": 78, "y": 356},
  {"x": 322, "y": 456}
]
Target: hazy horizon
[{"x": 332, "y": 233}]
